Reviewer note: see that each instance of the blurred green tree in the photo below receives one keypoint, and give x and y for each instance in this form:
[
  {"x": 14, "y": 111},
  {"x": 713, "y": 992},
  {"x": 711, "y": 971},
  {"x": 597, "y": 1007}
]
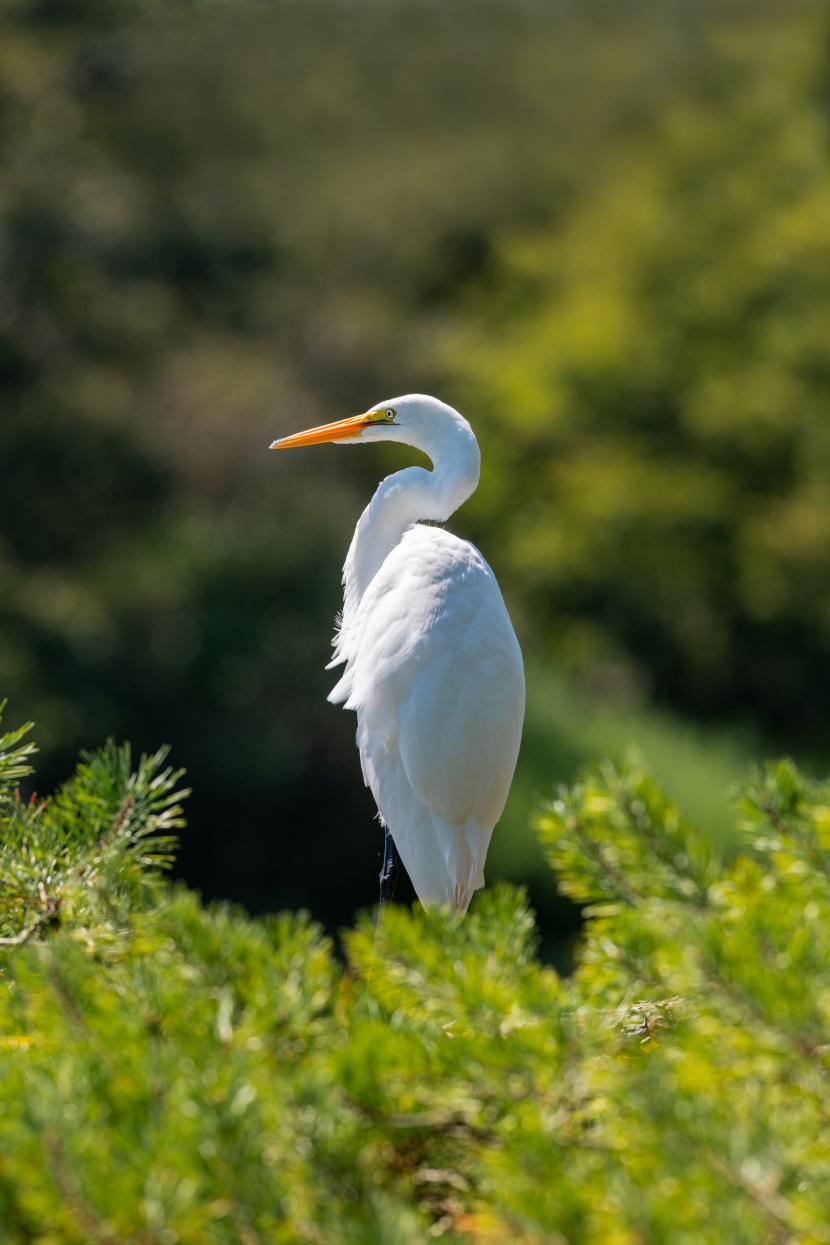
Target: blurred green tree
[
  {"x": 656, "y": 375},
  {"x": 148, "y": 584}
]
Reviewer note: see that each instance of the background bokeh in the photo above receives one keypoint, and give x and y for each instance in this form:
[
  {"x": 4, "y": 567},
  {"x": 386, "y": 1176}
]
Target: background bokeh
[{"x": 602, "y": 230}]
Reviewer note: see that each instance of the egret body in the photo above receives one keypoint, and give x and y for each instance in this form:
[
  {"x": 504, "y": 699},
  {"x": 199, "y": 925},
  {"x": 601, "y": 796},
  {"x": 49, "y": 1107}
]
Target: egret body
[{"x": 433, "y": 668}]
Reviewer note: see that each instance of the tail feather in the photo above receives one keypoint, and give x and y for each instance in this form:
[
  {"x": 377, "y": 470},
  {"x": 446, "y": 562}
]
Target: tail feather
[{"x": 445, "y": 861}]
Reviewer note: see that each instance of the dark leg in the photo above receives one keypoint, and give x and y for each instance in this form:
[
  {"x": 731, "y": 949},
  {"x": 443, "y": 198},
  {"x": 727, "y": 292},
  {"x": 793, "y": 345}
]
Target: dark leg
[{"x": 389, "y": 872}]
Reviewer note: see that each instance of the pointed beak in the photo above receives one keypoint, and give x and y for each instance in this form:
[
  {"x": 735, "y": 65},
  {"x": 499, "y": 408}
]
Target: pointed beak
[{"x": 337, "y": 431}]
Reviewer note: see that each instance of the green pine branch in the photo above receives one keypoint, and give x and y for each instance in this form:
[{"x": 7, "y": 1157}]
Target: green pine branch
[
  {"x": 14, "y": 756},
  {"x": 79, "y": 857}
]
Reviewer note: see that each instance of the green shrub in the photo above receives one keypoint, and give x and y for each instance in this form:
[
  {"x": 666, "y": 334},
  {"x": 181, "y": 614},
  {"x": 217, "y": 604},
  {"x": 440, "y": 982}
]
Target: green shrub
[{"x": 172, "y": 1073}]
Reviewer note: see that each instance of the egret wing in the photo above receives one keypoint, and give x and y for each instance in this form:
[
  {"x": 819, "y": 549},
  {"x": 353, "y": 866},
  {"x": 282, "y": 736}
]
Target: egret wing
[{"x": 436, "y": 678}]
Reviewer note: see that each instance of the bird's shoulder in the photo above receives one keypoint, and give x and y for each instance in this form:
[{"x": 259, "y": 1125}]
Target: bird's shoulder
[
  {"x": 429, "y": 555},
  {"x": 433, "y": 604},
  {"x": 433, "y": 594}
]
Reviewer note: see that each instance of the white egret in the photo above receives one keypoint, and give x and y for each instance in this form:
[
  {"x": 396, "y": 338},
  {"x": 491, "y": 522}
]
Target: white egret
[{"x": 432, "y": 664}]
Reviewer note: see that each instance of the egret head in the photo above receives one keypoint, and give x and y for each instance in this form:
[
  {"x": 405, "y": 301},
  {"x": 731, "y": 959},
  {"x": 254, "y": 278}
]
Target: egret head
[{"x": 415, "y": 419}]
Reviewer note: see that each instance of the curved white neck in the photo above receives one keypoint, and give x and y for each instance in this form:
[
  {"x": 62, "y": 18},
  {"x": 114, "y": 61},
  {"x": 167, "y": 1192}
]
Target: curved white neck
[{"x": 401, "y": 500}]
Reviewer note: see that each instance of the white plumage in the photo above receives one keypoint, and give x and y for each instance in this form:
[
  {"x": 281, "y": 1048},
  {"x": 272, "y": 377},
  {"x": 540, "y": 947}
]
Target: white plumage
[{"x": 433, "y": 668}]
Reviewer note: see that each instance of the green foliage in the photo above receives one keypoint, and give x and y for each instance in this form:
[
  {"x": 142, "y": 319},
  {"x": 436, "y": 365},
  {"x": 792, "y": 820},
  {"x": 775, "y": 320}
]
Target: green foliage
[
  {"x": 14, "y": 755},
  {"x": 653, "y": 372},
  {"x": 86, "y": 855},
  {"x": 174, "y": 1073}
]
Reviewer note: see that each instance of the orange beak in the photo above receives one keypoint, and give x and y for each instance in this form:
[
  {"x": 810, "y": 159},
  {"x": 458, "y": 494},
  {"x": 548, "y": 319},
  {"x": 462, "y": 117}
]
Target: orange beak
[{"x": 326, "y": 432}]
